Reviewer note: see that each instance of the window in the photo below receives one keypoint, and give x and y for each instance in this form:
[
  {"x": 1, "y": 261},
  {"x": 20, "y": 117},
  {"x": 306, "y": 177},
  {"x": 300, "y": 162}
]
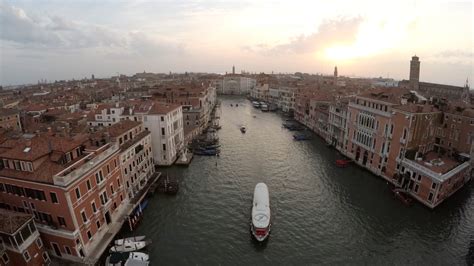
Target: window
[
  {"x": 416, "y": 188},
  {"x": 164, "y": 147},
  {"x": 433, "y": 186},
  {"x": 162, "y": 131},
  {"x": 89, "y": 235},
  {"x": 99, "y": 177},
  {"x": 162, "y": 118},
  {"x": 84, "y": 217},
  {"x": 94, "y": 208},
  {"x": 88, "y": 183},
  {"x": 67, "y": 249},
  {"x": 39, "y": 243},
  {"x": 5, "y": 258},
  {"x": 26, "y": 256},
  {"x": 78, "y": 193},
  {"x": 45, "y": 256},
  {"x": 61, "y": 221},
  {"x": 430, "y": 197},
  {"x": 54, "y": 198},
  {"x": 98, "y": 224},
  {"x": 103, "y": 198},
  {"x": 112, "y": 189}
]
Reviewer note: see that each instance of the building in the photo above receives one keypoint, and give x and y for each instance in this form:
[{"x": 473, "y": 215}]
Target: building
[
  {"x": 10, "y": 119},
  {"x": 337, "y": 124},
  {"x": 71, "y": 185},
  {"x": 21, "y": 243},
  {"x": 237, "y": 85},
  {"x": 392, "y": 133},
  {"x": 136, "y": 154},
  {"x": 433, "y": 90},
  {"x": 163, "y": 120},
  {"x": 197, "y": 101}
]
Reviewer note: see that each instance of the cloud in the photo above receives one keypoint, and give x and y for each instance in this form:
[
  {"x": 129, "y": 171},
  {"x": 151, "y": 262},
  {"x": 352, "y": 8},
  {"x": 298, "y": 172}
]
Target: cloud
[
  {"x": 50, "y": 33},
  {"x": 334, "y": 31},
  {"x": 455, "y": 54}
]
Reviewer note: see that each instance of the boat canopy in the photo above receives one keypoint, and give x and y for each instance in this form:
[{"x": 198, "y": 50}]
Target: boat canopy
[{"x": 261, "y": 206}]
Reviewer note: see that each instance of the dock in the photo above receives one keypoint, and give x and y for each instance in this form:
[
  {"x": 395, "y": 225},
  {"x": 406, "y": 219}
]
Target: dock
[
  {"x": 167, "y": 184},
  {"x": 184, "y": 159}
]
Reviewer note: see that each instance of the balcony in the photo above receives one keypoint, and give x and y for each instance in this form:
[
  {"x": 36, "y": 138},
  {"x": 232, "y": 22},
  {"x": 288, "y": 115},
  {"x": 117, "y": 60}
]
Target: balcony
[
  {"x": 429, "y": 169},
  {"x": 86, "y": 164}
]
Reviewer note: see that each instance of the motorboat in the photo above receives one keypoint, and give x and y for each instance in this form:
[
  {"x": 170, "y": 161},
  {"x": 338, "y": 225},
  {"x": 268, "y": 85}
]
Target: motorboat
[
  {"x": 256, "y": 104},
  {"x": 264, "y": 107},
  {"x": 127, "y": 258},
  {"x": 403, "y": 196},
  {"x": 129, "y": 239},
  {"x": 299, "y": 137},
  {"x": 342, "y": 163},
  {"x": 243, "y": 129},
  {"x": 260, "y": 225},
  {"x": 130, "y": 246}
]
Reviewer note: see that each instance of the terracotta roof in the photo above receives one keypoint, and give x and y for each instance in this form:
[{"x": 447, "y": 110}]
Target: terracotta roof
[
  {"x": 389, "y": 95},
  {"x": 5, "y": 112},
  {"x": 121, "y": 127},
  {"x": 11, "y": 221},
  {"x": 163, "y": 108},
  {"x": 39, "y": 146},
  {"x": 417, "y": 108}
]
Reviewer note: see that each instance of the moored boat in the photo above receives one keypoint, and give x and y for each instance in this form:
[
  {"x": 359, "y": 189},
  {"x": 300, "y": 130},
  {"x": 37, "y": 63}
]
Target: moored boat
[
  {"x": 130, "y": 246},
  {"x": 299, "y": 137},
  {"x": 260, "y": 225},
  {"x": 129, "y": 239},
  {"x": 130, "y": 258}
]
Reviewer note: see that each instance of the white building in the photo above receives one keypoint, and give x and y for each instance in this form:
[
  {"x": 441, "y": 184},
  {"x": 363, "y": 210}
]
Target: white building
[
  {"x": 236, "y": 84},
  {"x": 163, "y": 120}
]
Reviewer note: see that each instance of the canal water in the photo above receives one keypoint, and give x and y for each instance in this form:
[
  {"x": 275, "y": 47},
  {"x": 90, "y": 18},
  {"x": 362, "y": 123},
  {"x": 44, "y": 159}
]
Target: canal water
[{"x": 321, "y": 214}]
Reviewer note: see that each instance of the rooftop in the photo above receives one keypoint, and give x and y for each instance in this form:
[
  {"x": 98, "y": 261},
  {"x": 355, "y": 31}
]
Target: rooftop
[
  {"x": 121, "y": 127},
  {"x": 11, "y": 221},
  {"x": 438, "y": 164}
]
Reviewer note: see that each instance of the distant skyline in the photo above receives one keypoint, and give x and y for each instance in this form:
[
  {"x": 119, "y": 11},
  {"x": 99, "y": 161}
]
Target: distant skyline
[{"x": 54, "y": 41}]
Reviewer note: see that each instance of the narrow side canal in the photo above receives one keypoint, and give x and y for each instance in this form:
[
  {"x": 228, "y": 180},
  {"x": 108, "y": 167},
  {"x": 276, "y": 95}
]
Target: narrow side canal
[{"x": 321, "y": 214}]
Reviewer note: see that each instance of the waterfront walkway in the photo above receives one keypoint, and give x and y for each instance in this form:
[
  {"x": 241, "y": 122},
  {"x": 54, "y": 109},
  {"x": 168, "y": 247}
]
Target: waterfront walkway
[{"x": 122, "y": 215}]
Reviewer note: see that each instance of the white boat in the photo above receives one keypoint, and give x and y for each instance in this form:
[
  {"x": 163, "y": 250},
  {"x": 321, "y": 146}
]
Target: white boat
[
  {"x": 256, "y": 104},
  {"x": 129, "y": 246},
  {"x": 132, "y": 258},
  {"x": 138, "y": 256},
  {"x": 260, "y": 225},
  {"x": 264, "y": 108},
  {"x": 243, "y": 129},
  {"x": 129, "y": 239}
]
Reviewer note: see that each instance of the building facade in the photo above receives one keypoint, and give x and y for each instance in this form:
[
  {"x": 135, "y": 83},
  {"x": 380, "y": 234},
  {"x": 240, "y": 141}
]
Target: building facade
[{"x": 72, "y": 187}]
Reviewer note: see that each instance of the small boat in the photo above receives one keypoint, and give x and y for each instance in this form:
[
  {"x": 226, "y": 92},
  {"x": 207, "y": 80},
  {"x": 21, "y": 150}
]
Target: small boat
[
  {"x": 130, "y": 258},
  {"x": 130, "y": 246},
  {"x": 256, "y": 104},
  {"x": 299, "y": 137},
  {"x": 403, "y": 196},
  {"x": 129, "y": 239},
  {"x": 343, "y": 163},
  {"x": 207, "y": 152},
  {"x": 260, "y": 225},
  {"x": 236, "y": 105},
  {"x": 231, "y": 105},
  {"x": 243, "y": 129},
  {"x": 264, "y": 107}
]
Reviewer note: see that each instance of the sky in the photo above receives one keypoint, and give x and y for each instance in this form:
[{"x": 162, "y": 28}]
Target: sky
[{"x": 56, "y": 40}]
